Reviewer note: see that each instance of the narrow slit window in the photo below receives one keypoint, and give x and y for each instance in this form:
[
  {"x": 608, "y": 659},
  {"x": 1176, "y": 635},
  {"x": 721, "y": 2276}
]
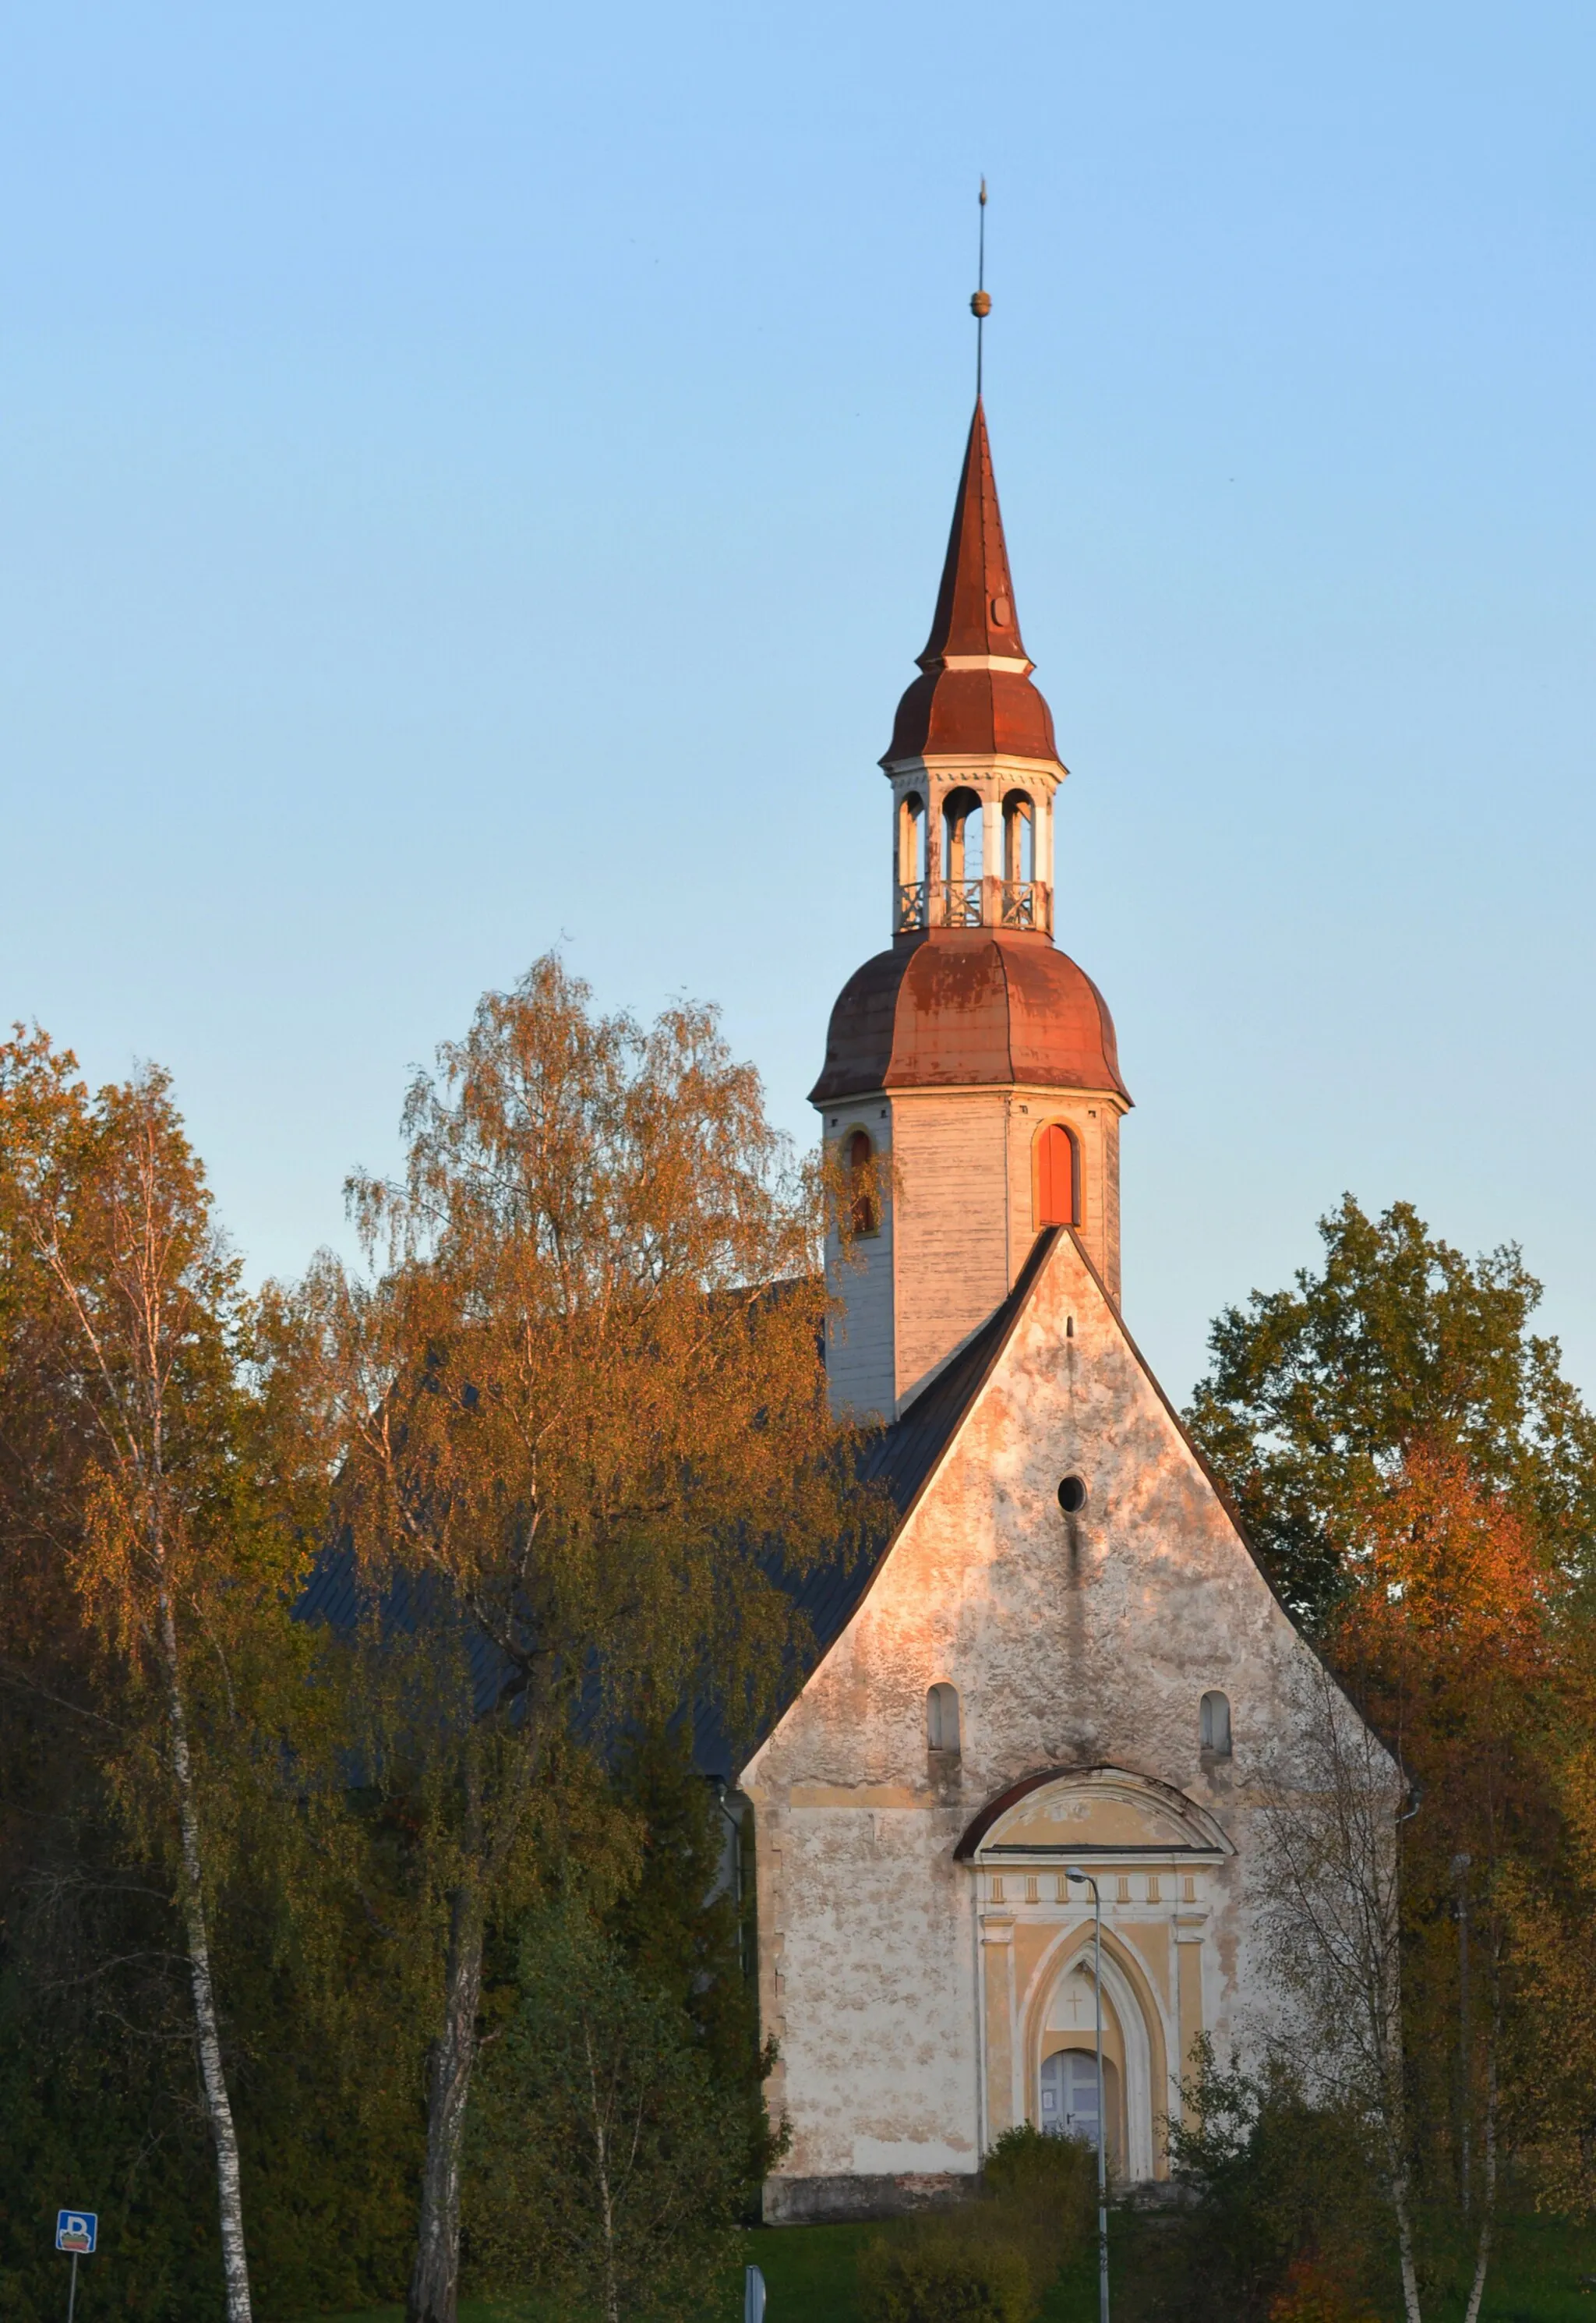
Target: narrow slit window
[
  {"x": 941, "y": 1720},
  {"x": 861, "y": 1184},
  {"x": 1215, "y": 1724}
]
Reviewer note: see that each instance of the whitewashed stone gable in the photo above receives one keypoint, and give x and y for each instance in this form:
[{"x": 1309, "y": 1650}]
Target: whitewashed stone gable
[{"x": 917, "y": 1995}]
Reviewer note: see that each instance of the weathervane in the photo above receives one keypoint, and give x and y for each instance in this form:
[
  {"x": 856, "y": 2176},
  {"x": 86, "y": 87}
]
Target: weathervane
[{"x": 981, "y": 304}]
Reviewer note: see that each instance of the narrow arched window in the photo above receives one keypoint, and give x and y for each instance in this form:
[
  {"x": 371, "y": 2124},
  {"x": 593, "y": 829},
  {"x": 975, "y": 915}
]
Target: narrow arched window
[
  {"x": 861, "y": 1184},
  {"x": 1214, "y": 1724},
  {"x": 1058, "y": 1177},
  {"x": 941, "y": 1720}
]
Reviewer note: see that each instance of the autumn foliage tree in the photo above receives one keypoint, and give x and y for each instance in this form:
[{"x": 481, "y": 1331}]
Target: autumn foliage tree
[
  {"x": 1549, "y": 1908},
  {"x": 1314, "y": 1393},
  {"x": 1422, "y": 1480},
  {"x": 580, "y": 1411},
  {"x": 1446, "y": 1633}
]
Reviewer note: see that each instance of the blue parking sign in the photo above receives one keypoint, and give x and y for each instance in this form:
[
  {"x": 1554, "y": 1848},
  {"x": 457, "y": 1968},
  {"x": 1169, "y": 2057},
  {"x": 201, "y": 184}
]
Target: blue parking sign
[{"x": 75, "y": 2231}]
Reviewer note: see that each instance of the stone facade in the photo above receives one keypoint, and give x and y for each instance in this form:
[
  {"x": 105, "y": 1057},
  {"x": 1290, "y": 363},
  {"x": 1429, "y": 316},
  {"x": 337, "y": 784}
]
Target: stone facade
[{"x": 921, "y": 1954}]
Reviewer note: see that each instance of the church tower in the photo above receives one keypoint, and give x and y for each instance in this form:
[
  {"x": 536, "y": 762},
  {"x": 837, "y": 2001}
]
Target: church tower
[{"x": 971, "y": 1083}]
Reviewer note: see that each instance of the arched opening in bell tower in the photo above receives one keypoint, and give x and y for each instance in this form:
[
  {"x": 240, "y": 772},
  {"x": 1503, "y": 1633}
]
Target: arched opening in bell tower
[
  {"x": 1019, "y": 839},
  {"x": 913, "y": 869},
  {"x": 964, "y": 855},
  {"x": 1023, "y": 905},
  {"x": 911, "y": 838}
]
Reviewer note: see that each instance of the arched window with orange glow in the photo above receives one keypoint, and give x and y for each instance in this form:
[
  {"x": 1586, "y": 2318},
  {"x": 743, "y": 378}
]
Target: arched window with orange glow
[
  {"x": 1058, "y": 1177},
  {"x": 861, "y": 1184}
]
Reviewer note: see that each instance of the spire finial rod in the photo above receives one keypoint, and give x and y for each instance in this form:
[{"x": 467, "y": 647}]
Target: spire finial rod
[{"x": 980, "y": 305}]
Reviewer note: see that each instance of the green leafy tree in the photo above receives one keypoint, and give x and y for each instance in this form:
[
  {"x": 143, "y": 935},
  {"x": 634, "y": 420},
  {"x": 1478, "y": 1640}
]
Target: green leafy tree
[
  {"x": 612, "y": 2166},
  {"x": 686, "y": 1927},
  {"x": 1314, "y": 1394}
]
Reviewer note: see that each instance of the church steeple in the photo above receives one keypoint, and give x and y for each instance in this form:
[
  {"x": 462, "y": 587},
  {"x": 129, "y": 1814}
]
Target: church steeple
[
  {"x": 975, "y": 693},
  {"x": 975, "y": 602},
  {"x": 972, "y": 760},
  {"x": 973, "y": 1051}
]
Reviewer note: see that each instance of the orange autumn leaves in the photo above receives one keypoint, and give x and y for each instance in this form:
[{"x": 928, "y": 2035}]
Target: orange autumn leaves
[
  {"x": 1450, "y": 1588},
  {"x": 1448, "y": 1635},
  {"x": 1316, "y": 2292}
]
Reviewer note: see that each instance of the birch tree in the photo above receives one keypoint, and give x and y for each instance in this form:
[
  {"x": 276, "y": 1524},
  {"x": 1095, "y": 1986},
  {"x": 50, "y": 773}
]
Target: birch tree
[
  {"x": 1450, "y": 1637},
  {"x": 107, "y": 1227},
  {"x": 1329, "y": 1874},
  {"x": 581, "y": 1412}
]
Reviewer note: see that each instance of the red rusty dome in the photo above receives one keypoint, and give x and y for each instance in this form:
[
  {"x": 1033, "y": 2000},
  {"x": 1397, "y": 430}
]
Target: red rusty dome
[{"x": 961, "y": 1009}]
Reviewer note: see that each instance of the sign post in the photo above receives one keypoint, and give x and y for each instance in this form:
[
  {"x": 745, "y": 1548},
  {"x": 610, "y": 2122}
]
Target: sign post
[
  {"x": 75, "y": 2231},
  {"x": 753, "y": 2295}
]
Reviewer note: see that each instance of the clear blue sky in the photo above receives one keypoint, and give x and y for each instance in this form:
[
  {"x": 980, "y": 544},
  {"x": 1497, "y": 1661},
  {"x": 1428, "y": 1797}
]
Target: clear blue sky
[{"x": 474, "y": 475}]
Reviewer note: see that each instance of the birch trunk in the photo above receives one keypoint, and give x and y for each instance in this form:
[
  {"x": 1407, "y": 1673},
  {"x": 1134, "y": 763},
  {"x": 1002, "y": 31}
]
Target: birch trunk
[
  {"x": 1404, "y": 2213},
  {"x": 1488, "y": 2206},
  {"x": 219, "y": 2106},
  {"x": 1395, "y": 2146},
  {"x": 602, "y": 2150},
  {"x": 1383, "y": 1978},
  {"x": 435, "y": 2278}
]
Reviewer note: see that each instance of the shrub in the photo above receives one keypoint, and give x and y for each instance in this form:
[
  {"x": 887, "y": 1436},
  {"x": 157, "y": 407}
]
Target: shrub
[
  {"x": 1283, "y": 2219},
  {"x": 1039, "y": 2194},
  {"x": 988, "y": 2261},
  {"x": 1024, "y": 2161},
  {"x": 937, "y": 2274}
]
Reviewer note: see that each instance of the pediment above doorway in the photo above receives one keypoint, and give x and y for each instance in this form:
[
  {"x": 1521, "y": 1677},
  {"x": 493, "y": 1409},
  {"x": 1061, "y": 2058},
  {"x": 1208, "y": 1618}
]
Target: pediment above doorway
[{"x": 1095, "y": 1814}]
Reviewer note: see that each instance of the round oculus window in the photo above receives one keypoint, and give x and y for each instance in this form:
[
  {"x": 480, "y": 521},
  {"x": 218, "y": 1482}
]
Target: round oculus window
[{"x": 1072, "y": 1495}]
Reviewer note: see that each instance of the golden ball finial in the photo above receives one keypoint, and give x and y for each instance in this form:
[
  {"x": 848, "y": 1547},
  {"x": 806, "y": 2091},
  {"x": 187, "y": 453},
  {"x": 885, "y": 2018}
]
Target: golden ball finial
[{"x": 981, "y": 305}]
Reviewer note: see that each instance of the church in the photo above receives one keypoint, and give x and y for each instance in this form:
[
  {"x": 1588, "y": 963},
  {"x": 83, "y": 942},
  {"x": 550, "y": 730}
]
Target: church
[{"x": 1067, "y": 1657}]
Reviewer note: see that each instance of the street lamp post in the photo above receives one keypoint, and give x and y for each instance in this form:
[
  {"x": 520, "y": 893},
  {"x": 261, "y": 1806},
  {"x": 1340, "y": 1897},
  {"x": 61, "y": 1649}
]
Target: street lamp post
[{"x": 1087, "y": 1880}]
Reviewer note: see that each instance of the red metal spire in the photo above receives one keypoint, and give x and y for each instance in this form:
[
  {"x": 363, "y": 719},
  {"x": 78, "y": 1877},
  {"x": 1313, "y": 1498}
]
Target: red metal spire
[
  {"x": 987, "y": 705},
  {"x": 975, "y": 602}
]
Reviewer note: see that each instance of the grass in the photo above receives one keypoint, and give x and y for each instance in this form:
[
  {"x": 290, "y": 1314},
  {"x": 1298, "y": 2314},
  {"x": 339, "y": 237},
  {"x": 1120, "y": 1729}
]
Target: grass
[
  {"x": 809, "y": 2271},
  {"x": 810, "y": 2275},
  {"x": 1535, "y": 2276}
]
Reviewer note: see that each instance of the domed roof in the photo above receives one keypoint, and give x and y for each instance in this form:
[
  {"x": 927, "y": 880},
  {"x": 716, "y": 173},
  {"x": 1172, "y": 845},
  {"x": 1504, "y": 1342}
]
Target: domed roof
[{"x": 960, "y": 1007}]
